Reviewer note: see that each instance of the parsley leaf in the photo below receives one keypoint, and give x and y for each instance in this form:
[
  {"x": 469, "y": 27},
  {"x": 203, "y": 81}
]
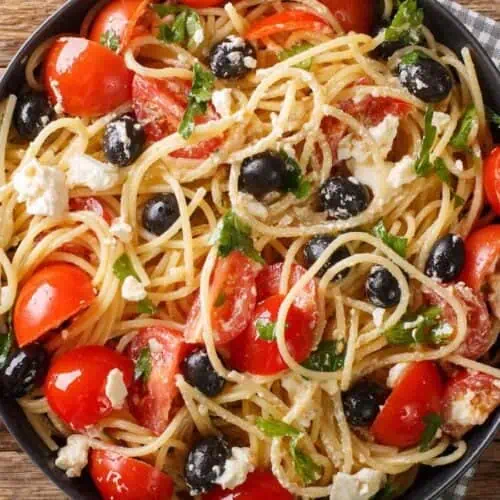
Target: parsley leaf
[
  {"x": 493, "y": 117},
  {"x": 110, "y": 40},
  {"x": 388, "y": 492},
  {"x": 275, "y": 428},
  {"x": 6, "y": 341},
  {"x": 294, "y": 181},
  {"x": 143, "y": 365},
  {"x": 432, "y": 423},
  {"x": 424, "y": 166},
  {"x": 123, "y": 267},
  {"x": 305, "y": 467},
  {"x": 442, "y": 172},
  {"x": 398, "y": 244},
  {"x": 326, "y": 358},
  {"x": 146, "y": 306},
  {"x": 407, "y": 23},
  {"x": 460, "y": 139},
  {"x": 298, "y": 48},
  {"x": 413, "y": 57},
  {"x": 265, "y": 330}
]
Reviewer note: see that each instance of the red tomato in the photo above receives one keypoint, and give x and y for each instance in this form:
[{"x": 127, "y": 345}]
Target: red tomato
[
  {"x": 477, "y": 395},
  {"x": 479, "y": 332},
  {"x": 76, "y": 383},
  {"x": 355, "y": 15},
  {"x": 334, "y": 131},
  {"x": 87, "y": 78},
  {"x": 249, "y": 353},
  {"x": 118, "y": 477},
  {"x": 491, "y": 181},
  {"x": 152, "y": 402},
  {"x": 200, "y": 4},
  {"x": 52, "y": 295},
  {"x": 288, "y": 20},
  {"x": 417, "y": 393},
  {"x": 91, "y": 204},
  {"x": 268, "y": 283},
  {"x": 259, "y": 484},
  {"x": 234, "y": 286},
  {"x": 159, "y": 106}
]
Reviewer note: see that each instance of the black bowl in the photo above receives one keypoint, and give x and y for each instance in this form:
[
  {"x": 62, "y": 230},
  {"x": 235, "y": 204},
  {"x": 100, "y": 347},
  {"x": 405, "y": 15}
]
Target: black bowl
[{"x": 431, "y": 482}]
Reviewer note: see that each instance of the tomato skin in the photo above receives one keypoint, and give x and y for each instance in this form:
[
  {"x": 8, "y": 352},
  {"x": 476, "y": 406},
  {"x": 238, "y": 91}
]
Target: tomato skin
[
  {"x": 356, "y": 15},
  {"x": 124, "y": 478},
  {"x": 76, "y": 382},
  {"x": 89, "y": 78},
  {"x": 53, "y": 294},
  {"x": 491, "y": 181},
  {"x": 259, "y": 484},
  {"x": 153, "y": 402},
  {"x": 249, "y": 353},
  {"x": 288, "y": 20},
  {"x": 417, "y": 393},
  {"x": 91, "y": 204}
]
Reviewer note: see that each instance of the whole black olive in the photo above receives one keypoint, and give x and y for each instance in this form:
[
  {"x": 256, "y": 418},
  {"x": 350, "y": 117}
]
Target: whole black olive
[
  {"x": 343, "y": 197},
  {"x": 316, "y": 246},
  {"x": 362, "y": 401},
  {"x": 160, "y": 212},
  {"x": 123, "y": 141},
  {"x": 32, "y": 113},
  {"x": 200, "y": 373},
  {"x": 232, "y": 57},
  {"x": 446, "y": 259},
  {"x": 382, "y": 288}
]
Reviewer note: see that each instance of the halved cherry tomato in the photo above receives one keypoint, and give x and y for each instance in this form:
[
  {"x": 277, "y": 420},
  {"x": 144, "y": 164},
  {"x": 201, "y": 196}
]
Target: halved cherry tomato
[
  {"x": 417, "y": 393},
  {"x": 153, "y": 401},
  {"x": 76, "y": 383},
  {"x": 159, "y": 106},
  {"x": 334, "y": 131},
  {"x": 288, "y": 20},
  {"x": 200, "y": 4},
  {"x": 491, "y": 181},
  {"x": 118, "y": 477},
  {"x": 86, "y": 78},
  {"x": 259, "y": 484},
  {"x": 91, "y": 204},
  {"x": 250, "y": 353},
  {"x": 52, "y": 295},
  {"x": 233, "y": 293},
  {"x": 355, "y": 15}
]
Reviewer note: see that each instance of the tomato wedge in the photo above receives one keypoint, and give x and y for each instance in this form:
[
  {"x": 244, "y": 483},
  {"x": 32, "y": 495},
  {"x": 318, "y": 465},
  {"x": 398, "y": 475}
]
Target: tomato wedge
[
  {"x": 418, "y": 392},
  {"x": 86, "y": 78},
  {"x": 52, "y": 295},
  {"x": 355, "y": 15},
  {"x": 249, "y": 352},
  {"x": 75, "y": 386},
  {"x": 491, "y": 181},
  {"x": 288, "y": 20},
  {"x": 118, "y": 477},
  {"x": 152, "y": 401},
  {"x": 91, "y": 204},
  {"x": 234, "y": 293}
]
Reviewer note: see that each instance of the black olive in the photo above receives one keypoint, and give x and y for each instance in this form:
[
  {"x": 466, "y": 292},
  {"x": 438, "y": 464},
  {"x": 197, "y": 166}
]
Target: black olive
[
  {"x": 205, "y": 463},
  {"x": 386, "y": 49},
  {"x": 382, "y": 288},
  {"x": 446, "y": 259},
  {"x": 33, "y": 112},
  {"x": 343, "y": 197},
  {"x": 362, "y": 402},
  {"x": 316, "y": 246},
  {"x": 160, "y": 212},
  {"x": 123, "y": 141},
  {"x": 232, "y": 57},
  {"x": 262, "y": 173},
  {"x": 199, "y": 372},
  {"x": 24, "y": 369},
  {"x": 424, "y": 77}
]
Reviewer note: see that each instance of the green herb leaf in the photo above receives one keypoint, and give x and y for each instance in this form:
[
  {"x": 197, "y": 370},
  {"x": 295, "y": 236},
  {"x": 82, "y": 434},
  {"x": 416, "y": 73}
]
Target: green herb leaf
[
  {"x": 146, "y": 306},
  {"x": 275, "y": 428},
  {"x": 460, "y": 139},
  {"x": 265, "y": 330},
  {"x": 123, "y": 267},
  {"x": 6, "y": 341},
  {"x": 493, "y": 117},
  {"x": 407, "y": 23},
  {"x": 388, "y": 492},
  {"x": 143, "y": 365},
  {"x": 432, "y": 423},
  {"x": 413, "y": 57},
  {"x": 294, "y": 181},
  {"x": 184, "y": 28},
  {"x": 298, "y": 48},
  {"x": 398, "y": 244},
  {"x": 424, "y": 167},
  {"x": 194, "y": 109},
  {"x": 441, "y": 334},
  {"x": 442, "y": 172},
  {"x": 221, "y": 299},
  {"x": 110, "y": 40},
  {"x": 326, "y": 358},
  {"x": 308, "y": 470}
]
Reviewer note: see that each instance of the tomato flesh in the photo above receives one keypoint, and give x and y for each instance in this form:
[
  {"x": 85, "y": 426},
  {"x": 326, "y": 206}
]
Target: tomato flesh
[
  {"x": 76, "y": 383},
  {"x": 417, "y": 393},
  {"x": 118, "y": 477},
  {"x": 52, "y": 295},
  {"x": 491, "y": 181},
  {"x": 355, "y": 15},
  {"x": 91, "y": 204}
]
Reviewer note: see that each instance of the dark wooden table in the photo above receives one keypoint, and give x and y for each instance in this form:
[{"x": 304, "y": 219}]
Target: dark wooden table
[{"x": 19, "y": 478}]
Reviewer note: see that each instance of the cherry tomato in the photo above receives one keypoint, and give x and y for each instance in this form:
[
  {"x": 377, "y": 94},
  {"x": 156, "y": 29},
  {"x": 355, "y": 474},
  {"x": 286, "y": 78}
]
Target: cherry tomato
[
  {"x": 288, "y": 20},
  {"x": 91, "y": 204},
  {"x": 200, "y": 4},
  {"x": 76, "y": 383},
  {"x": 268, "y": 283},
  {"x": 86, "y": 78},
  {"x": 152, "y": 401},
  {"x": 334, "y": 131},
  {"x": 476, "y": 394},
  {"x": 234, "y": 294},
  {"x": 118, "y": 477},
  {"x": 417, "y": 393},
  {"x": 259, "y": 484},
  {"x": 479, "y": 332},
  {"x": 491, "y": 181},
  {"x": 52, "y": 295},
  {"x": 250, "y": 353},
  {"x": 159, "y": 106},
  {"x": 355, "y": 15}
]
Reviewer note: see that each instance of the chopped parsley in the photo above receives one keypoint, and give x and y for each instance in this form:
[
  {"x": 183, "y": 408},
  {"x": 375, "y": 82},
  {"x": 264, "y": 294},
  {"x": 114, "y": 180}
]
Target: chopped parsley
[
  {"x": 143, "y": 365},
  {"x": 294, "y": 181},
  {"x": 396, "y": 243},
  {"x": 432, "y": 423},
  {"x": 493, "y": 117},
  {"x": 266, "y": 330},
  {"x": 406, "y": 25},
  {"x": 275, "y": 428},
  {"x": 110, "y": 40},
  {"x": 423, "y": 166},
  {"x": 327, "y": 357},
  {"x": 6, "y": 341},
  {"x": 298, "y": 48},
  {"x": 146, "y": 306},
  {"x": 460, "y": 139}
]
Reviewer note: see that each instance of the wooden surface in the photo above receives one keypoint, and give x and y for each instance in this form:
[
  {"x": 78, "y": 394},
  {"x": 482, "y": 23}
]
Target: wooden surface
[{"x": 19, "y": 478}]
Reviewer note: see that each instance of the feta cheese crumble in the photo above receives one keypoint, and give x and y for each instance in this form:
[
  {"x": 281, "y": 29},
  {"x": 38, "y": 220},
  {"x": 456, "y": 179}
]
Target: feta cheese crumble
[
  {"x": 94, "y": 174},
  {"x": 394, "y": 373},
  {"x": 121, "y": 230},
  {"x": 464, "y": 412},
  {"x": 402, "y": 173},
  {"x": 133, "y": 290},
  {"x": 236, "y": 469},
  {"x": 73, "y": 457},
  {"x": 360, "y": 486},
  {"x": 116, "y": 390},
  {"x": 378, "y": 316},
  {"x": 440, "y": 120},
  {"x": 221, "y": 99}
]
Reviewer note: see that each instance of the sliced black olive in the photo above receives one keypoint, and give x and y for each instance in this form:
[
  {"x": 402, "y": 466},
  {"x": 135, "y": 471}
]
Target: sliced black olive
[
  {"x": 200, "y": 373},
  {"x": 446, "y": 259},
  {"x": 362, "y": 402},
  {"x": 123, "y": 141},
  {"x": 382, "y": 288},
  {"x": 160, "y": 212},
  {"x": 33, "y": 112},
  {"x": 424, "y": 77},
  {"x": 316, "y": 246},
  {"x": 232, "y": 57},
  {"x": 24, "y": 370},
  {"x": 343, "y": 197},
  {"x": 387, "y": 49},
  {"x": 205, "y": 464},
  {"x": 262, "y": 173}
]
